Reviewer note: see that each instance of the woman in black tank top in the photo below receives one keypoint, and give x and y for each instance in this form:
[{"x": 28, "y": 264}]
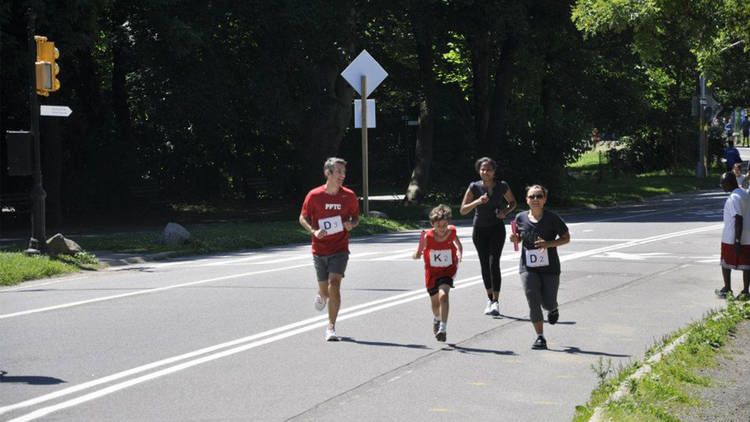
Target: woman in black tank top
[{"x": 492, "y": 201}]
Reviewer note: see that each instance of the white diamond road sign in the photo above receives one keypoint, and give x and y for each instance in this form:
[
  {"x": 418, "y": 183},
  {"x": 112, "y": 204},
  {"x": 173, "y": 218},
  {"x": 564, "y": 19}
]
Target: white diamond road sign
[{"x": 364, "y": 65}]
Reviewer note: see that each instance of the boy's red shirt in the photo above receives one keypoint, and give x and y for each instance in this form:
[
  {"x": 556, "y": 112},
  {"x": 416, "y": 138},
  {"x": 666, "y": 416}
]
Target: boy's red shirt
[{"x": 437, "y": 263}]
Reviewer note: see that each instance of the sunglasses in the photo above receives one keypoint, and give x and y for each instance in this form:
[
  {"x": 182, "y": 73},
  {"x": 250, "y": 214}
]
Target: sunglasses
[{"x": 536, "y": 196}]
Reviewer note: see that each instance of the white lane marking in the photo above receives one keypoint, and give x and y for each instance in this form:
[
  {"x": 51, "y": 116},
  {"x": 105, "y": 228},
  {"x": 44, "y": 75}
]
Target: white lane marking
[
  {"x": 35, "y": 285},
  {"x": 295, "y": 328},
  {"x": 146, "y": 291}
]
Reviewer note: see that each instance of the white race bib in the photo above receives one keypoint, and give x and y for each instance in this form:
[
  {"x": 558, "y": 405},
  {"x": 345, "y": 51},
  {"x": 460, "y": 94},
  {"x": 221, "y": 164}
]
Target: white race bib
[
  {"x": 331, "y": 225},
  {"x": 441, "y": 258},
  {"x": 537, "y": 258}
]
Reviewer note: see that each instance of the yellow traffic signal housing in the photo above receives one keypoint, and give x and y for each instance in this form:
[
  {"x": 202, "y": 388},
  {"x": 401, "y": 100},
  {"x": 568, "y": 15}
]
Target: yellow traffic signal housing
[{"x": 47, "y": 68}]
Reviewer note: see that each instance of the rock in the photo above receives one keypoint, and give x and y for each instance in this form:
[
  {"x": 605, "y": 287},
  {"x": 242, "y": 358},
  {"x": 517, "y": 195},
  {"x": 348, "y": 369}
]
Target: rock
[
  {"x": 378, "y": 214},
  {"x": 60, "y": 245},
  {"x": 174, "y": 234}
]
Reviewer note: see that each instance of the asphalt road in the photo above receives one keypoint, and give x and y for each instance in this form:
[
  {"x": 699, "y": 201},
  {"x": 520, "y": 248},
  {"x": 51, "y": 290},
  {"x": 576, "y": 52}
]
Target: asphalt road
[{"x": 236, "y": 337}]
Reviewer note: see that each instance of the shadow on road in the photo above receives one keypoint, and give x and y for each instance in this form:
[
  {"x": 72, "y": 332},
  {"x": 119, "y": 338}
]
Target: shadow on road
[
  {"x": 576, "y": 351},
  {"x": 382, "y": 343},
  {"x": 473, "y": 350},
  {"x": 31, "y": 380},
  {"x": 501, "y": 316}
]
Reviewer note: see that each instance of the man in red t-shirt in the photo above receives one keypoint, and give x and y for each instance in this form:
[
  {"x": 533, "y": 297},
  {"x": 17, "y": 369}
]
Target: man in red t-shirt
[{"x": 329, "y": 213}]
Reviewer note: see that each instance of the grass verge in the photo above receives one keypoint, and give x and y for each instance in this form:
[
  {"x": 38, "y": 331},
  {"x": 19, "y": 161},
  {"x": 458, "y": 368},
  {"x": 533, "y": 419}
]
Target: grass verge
[
  {"x": 16, "y": 267},
  {"x": 671, "y": 384},
  {"x": 591, "y": 192}
]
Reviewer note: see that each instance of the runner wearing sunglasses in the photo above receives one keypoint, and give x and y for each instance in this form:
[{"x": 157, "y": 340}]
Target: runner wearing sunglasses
[{"x": 540, "y": 232}]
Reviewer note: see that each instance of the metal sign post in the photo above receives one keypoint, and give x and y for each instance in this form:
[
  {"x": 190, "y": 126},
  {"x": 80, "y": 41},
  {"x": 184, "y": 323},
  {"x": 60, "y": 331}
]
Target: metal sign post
[
  {"x": 365, "y": 172},
  {"x": 361, "y": 69}
]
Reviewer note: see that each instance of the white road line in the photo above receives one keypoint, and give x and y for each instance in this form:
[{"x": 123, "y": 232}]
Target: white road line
[
  {"x": 146, "y": 291},
  {"x": 31, "y": 286},
  {"x": 276, "y": 335}
]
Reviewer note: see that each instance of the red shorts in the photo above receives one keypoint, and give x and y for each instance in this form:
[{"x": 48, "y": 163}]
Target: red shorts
[{"x": 732, "y": 261}]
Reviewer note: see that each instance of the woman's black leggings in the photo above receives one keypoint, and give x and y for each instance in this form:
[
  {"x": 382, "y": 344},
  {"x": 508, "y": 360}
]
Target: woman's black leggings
[{"x": 489, "y": 242}]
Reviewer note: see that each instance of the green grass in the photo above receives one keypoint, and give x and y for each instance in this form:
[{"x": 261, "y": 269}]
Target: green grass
[
  {"x": 672, "y": 385},
  {"x": 589, "y": 191},
  {"x": 212, "y": 238},
  {"x": 16, "y": 267},
  {"x": 589, "y": 160}
]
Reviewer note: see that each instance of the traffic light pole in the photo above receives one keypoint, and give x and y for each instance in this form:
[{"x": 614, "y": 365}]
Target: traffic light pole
[{"x": 38, "y": 240}]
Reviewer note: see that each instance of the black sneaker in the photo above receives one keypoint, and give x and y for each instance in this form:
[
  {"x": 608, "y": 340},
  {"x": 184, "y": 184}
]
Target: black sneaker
[
  {"x": 553, "y": 316},
  {"x": 743, "y": 297},
  {"x": 723, "y": 292},
  {"x": 539, "y": 344},
  {"x": 440, "y": 336},
  {"x": 435, "y": 326}
]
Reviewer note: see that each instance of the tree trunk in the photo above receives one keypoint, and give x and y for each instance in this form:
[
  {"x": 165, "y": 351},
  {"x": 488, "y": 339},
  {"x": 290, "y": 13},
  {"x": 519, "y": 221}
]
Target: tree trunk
[
  {"x": 423, "y": 23},
  {"x": 496, "y": 139}
]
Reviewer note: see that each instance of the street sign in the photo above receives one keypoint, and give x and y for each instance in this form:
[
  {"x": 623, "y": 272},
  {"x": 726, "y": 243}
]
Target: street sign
[
  {"x": 55, "y": 111},
  {"x": 358, "y": 113},
  {"x": 364, "y": 65}
]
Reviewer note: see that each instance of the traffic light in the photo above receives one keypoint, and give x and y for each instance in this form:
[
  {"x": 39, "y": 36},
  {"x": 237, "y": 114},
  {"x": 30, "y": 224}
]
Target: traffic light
[{"x": 47, "y": 68}]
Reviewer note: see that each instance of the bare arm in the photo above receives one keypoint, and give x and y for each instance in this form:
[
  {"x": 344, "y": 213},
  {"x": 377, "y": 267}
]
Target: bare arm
[
  {"x": 469, "y": 203},
  {"x": 511, "y": 204},
  {"x": 305, "y": 223},
  {"x": 562, "y": 240},
  {"x": 351, "y": 223}
]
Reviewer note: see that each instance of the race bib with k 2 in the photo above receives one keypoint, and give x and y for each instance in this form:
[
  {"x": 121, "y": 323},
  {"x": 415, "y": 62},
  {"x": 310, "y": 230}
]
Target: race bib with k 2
[
  {"x": 537, "y": 258},
  {"x": 441, "y": 258},
  {"x": 331, "y": 225}
]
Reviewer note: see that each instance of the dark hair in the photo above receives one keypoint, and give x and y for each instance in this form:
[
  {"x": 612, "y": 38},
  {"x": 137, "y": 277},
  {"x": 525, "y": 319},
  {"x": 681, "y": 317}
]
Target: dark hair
[
  {"x": 544, "y": 190},
  {"x": 728, "y": 181},
  {"x": 483, "y": 160}
]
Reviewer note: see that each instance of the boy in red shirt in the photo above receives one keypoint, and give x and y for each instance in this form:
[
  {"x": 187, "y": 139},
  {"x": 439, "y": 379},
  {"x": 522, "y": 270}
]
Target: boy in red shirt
[
  {"x": 442, "y": 253},
  {"x": 329, "y": 213}
]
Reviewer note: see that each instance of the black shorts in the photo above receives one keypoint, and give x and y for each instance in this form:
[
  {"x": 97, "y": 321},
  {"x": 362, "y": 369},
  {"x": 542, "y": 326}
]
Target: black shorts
[{"x": 444, "y": 280}]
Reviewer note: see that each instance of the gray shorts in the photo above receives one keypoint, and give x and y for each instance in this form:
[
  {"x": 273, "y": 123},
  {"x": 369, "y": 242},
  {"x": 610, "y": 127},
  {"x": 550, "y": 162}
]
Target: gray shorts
[{"x": 325, "y": 265}]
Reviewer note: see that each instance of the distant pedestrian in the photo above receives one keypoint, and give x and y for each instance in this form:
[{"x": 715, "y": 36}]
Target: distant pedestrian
[
  {"x": 731, "y": 154},
  {"x": 329, "y": 213},
  {"x": 735, "y": 238},
  {"x": 743, "y": 180},
  {"x": 541, "y": 232},
  {"x": 442, "y": 252},
  {"x": 492, "y": 201}
]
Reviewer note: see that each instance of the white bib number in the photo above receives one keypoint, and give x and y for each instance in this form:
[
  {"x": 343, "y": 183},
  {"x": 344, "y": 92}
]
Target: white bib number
[
  {"x": 537, "y": 258},
  {"x": 441, "y": 258},
  {"x": 331, "y": 225}
]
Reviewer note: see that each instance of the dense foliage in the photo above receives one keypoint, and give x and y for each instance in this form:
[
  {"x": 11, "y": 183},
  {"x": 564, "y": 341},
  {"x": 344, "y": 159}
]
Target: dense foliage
[{"x": 223, "y": 101}]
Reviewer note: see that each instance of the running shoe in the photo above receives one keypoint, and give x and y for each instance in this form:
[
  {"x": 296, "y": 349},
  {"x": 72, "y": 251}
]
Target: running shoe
[
  {"x": 319, "y": 302},
  {"x": 488, "y": 308},
  {"x": 539, "y": 344},
  {"x": 553, "y": 316},
  {"x": 435, "y": 326},
  {"x": 723, "y": 292},
  {"x": 495, "y": 308},
  {"x": 743, "y": 297},
  {"x": 440, "y": 335},
  {"x": 331, "y": 335}
]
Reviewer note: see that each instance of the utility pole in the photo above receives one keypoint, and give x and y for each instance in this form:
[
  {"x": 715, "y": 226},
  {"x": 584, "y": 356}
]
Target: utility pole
[{"x": 701, "y": 170}]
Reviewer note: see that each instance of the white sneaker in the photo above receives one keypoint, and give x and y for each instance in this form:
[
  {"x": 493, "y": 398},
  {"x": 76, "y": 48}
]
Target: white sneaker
[
  {"x": 331, "y": 335},
  {"x": 495, "y": 309},
  {"x": 319, "y": 302},
  {"x": 488, "y": 308}
]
